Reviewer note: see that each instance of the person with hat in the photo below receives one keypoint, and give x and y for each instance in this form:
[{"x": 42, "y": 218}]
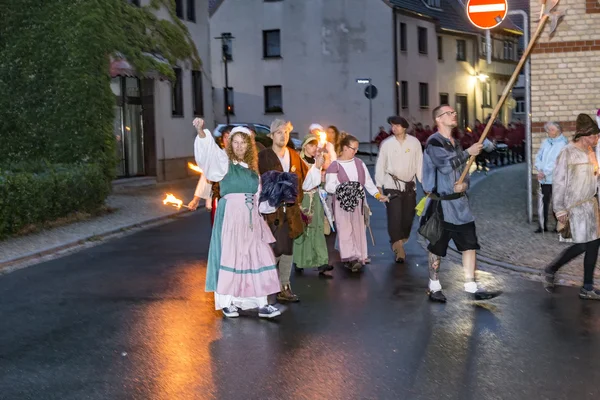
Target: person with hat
[
  {"x": 574, "y": 188},
  {"x": 241, "y": 267},
  {"x": 285, "y": 220},
  {"x": 310, "y": 248},
  {"x": 399, "y": 165}
]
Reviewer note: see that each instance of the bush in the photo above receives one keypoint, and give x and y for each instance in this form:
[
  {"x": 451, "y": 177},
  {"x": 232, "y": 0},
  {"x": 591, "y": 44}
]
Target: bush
[{"x": 40, "y": 193}]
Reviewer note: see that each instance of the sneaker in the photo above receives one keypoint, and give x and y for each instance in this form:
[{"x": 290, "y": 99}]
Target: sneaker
[
  {"x": 437, "y": 296},
  {"x": 589, "y": 294},
  {"x": 286, "y": 295},
  {"x": 483, "y": 294},
  {"x": 325, "y": 268},
  {"x": 231, "y": 311},
  {"x": 298, "y": 270},
  {"x": 548, "y": 281},
  {"x": 268, "y": 312}
]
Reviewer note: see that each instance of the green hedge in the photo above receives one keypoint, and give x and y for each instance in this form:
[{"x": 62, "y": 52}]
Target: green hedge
[{"x": 40, "y": 193}]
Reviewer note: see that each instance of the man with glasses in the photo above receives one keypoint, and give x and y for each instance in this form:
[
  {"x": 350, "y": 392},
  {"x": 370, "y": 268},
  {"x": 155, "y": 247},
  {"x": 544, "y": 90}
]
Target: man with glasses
[{"x": 443, "y": 162}]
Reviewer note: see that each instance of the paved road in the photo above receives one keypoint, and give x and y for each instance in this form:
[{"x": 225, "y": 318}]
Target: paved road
[{"x": 129, "y": 319}]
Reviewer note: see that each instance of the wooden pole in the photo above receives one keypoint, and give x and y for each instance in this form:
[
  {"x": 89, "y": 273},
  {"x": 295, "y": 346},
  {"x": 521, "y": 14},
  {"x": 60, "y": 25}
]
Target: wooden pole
[{"x": 507, "y": 89}]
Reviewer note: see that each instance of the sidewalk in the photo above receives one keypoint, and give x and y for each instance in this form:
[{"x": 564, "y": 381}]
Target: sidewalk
[
  {"x": 134, "y": 207},
  {"x": 499, "y": 203}
]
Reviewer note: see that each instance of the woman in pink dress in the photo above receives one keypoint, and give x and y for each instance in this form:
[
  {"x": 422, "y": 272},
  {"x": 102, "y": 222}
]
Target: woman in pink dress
[
  {"x": 241, "y": 266},
  {"x": 347, "y": 178}
]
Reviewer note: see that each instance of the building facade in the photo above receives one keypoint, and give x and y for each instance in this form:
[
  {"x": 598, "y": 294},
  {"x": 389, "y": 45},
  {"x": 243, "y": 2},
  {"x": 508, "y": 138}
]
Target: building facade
[
  {"x": 153, "y": 116},
  {"x": 565, "y": 69},
  {"x": 301, "y": 61}
]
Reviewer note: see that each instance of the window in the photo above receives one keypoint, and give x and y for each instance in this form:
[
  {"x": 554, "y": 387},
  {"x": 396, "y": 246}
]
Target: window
[
  {"x": 227, "y": 48},
  {"x": 197, "y": 93},
  {"x": 179, "y": 8},
  {"x": 483, "y": 46},
  {"x": 444, "y": 98},
  {"x": 404, "y": 94},
  {"x": 440, "y": 45},
  {"x": 422, "y": 35},
  {"x": 433, "y": 3},
  {"x": 486, "y": 93},
  {"x": 403, "y": 38},
  {"x": 520, "y": 107},
  {"x": 228, "y": 101},
  {"x": 271, "y": 43},
  {"x": 509, "y": 50},
  {"x": 423, "y": 95},
  {"x": 191, "y": 10},
  {"x": 177, "y": 94},
  {"x": 273, "y": 99},
  {"x": 461, "y": 50}
]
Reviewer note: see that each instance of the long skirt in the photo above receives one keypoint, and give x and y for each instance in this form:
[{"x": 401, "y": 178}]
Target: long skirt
[
  {"x": 241, "y": 265},
  {"x": 310, "y": 249},
  {"x": 351, "y": 233}
]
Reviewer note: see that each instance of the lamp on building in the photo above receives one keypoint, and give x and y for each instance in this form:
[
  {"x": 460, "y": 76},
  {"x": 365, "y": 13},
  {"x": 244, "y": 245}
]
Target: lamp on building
[{"x": 482, "y": 77}]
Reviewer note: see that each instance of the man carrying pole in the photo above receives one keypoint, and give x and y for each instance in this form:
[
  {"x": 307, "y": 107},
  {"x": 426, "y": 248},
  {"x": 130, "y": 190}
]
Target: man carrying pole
[{"x": 443, "y": 161}]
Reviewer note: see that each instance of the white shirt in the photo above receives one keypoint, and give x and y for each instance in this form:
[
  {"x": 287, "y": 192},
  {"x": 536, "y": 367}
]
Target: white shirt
[
  {"x": 332, "y": 181},
  {"x": 313, "y": 178},
  {"x": 285, "y": 160},
  {"x": 403, "y": 160}
]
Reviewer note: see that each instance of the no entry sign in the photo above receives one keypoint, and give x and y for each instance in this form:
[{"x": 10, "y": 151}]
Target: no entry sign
[{"x": 486, "y": 14}]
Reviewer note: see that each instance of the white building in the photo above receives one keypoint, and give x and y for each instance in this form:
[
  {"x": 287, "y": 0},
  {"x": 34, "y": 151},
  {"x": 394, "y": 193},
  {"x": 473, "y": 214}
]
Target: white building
[
  {"x": 299, "y": 60},
  {"x": 153, "y": 117}
]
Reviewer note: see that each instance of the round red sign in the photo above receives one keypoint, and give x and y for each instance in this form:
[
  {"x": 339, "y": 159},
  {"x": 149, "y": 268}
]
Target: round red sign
[{"x": 486, "y": 14}]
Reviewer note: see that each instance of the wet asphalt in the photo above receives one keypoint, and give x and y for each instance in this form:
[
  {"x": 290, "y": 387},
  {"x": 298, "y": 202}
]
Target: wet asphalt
[{"x": 129, "y": 319}]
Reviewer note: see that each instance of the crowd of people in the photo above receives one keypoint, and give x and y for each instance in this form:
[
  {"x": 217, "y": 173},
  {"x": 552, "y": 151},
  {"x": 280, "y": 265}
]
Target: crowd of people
[
  {"x": 508, "y": 141},
  {"x": 273, "y": 208}
]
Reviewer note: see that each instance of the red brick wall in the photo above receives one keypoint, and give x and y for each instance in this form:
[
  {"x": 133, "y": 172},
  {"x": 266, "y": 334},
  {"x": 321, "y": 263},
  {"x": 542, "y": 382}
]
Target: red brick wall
[
  {"x": 592, "y": 6},
  {"x": 570, "y": 46}
]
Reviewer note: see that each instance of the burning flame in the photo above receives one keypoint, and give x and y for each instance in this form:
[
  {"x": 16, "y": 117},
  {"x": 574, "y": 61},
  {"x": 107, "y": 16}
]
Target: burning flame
[
  {"x": 194, "y": 167},
  {"x": 170, "y": 199},
  {"x": 322, "y": 138}
]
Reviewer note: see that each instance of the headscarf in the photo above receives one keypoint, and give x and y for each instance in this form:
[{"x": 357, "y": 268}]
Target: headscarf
[{"x": 308, "y": 139}]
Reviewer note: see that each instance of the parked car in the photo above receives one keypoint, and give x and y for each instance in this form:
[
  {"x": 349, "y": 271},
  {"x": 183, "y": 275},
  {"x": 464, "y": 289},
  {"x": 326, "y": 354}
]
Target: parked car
[{"x": 262, "y": 132}]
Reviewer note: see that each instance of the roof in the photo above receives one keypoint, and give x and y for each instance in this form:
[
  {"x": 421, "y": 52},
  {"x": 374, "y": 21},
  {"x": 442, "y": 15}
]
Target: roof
[
  {"x": 451, "y": 17},
  {"x": 213, "y": 5}
]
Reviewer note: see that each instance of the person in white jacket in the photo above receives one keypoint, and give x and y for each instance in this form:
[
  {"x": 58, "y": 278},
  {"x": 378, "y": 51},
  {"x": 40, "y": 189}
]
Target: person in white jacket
[{"x": 545, "y": 161}]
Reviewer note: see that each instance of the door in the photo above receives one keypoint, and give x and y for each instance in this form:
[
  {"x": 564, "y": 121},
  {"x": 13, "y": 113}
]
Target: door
[
  {"x": 128, "y": 127},
  {"x": 462, "y": 110}
]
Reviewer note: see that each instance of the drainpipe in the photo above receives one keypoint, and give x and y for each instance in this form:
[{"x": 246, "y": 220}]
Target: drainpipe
[
  {"x": 395, "y": 41},
  {"x": 528, "y": 138}
]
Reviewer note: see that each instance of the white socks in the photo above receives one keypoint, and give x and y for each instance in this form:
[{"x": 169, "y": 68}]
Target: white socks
[
  {"x": 471, "y": 287},
  {"x": 435, "y": 286}
]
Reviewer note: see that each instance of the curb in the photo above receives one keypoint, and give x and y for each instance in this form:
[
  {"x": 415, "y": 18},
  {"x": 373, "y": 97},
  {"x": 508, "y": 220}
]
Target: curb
[{"x": 19, "y": 262}]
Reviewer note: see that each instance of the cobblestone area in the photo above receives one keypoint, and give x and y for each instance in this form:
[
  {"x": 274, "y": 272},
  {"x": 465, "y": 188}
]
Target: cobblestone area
[
  {"x": 133, "y": 206},
  {"x": 500, "y": 206}
]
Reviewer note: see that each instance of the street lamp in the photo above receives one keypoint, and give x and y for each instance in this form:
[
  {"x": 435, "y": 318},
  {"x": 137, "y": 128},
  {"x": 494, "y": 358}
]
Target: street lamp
[
  {"x": 225, "y": 51},
  {"x": 370, "y": 93}
]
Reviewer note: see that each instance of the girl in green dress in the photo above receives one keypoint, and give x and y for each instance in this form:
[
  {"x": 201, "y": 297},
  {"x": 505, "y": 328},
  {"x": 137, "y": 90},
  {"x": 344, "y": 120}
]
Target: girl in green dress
[{"x": 310, "y": 249}]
